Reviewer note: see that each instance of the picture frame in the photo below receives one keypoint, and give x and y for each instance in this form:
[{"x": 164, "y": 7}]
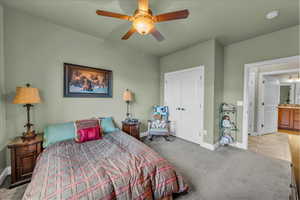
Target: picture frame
[{"x": 87, "y": 82}]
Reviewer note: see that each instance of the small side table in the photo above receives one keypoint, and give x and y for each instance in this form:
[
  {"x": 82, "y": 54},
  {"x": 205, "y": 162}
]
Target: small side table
[
  {"x": 131, "y": 128},
  {"x": 23, "y": 157}
]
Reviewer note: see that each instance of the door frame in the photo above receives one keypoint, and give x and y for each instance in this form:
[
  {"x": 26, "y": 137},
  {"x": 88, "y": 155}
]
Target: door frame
[
  {"x": 247, "y": 67},
  {"x": 202, "y": 68},
  {"x": 251, "y": 100},
  {"x": 261, "y": 94}
]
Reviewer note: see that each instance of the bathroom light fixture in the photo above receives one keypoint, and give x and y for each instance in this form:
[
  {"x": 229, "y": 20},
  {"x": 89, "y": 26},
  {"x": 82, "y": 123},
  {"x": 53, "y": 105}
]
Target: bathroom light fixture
[{"x": 296, "y": 79}]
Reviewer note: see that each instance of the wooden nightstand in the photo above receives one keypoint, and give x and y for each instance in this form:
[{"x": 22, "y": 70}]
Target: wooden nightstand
[
  {"x": 23, "y": 157},
  {"x": 132, "y": 128}
]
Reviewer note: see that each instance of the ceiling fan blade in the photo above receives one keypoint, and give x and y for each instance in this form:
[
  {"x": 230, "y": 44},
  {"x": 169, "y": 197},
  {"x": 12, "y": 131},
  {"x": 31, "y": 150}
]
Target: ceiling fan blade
[
  {"x": 181, "y": 14},
  {"x": 143, "y": 5},
  {"x": 129, "y": 33},
  {"x": 112, "y": 14},
  {"x": 158, "y": 36}
]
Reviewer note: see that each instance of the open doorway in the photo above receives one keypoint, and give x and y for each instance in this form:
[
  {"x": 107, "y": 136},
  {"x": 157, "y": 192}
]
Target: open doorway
[
  {"x": 276, "y": 89},
  {"x": 271, "y": 106}
]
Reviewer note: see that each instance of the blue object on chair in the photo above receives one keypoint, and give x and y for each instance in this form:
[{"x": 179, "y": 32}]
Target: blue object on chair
[
  {"x": 160, "y": 124},
  {"x": 163, "y": 111}
]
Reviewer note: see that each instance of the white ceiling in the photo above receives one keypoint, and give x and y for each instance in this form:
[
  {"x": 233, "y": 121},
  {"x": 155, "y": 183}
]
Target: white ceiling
[{"x": 228, "y": 21}]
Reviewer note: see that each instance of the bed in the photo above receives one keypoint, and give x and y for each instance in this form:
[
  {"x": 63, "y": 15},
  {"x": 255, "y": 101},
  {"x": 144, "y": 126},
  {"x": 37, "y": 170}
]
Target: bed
[{"x": 115, "y": 167}]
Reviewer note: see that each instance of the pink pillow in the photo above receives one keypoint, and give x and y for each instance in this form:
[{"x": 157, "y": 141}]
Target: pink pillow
[
  {"x": 87, "y": 130},
  {"x": 88, "y": 134}
]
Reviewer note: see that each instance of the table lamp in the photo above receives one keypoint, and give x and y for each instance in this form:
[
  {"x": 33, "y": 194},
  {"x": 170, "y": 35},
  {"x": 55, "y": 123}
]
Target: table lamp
[
  {"x": 127, "y": 97},
  {"x": 27, "y": 96}
]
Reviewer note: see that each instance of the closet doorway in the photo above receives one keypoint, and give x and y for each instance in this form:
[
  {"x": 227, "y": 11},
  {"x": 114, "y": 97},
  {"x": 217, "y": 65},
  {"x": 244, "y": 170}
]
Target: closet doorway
[{"x": 184, "y": 95}]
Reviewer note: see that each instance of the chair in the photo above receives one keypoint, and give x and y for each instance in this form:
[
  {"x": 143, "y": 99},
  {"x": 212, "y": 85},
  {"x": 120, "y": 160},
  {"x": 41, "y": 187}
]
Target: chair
[{"x": 160, "y": 124}]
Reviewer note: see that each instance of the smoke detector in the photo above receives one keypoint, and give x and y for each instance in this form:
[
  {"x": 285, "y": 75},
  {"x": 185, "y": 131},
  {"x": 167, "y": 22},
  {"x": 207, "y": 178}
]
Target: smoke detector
[{"x": 272, "y": 14}]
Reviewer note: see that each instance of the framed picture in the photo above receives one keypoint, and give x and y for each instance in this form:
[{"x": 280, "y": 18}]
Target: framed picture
[{"x": 82, "y": 81}]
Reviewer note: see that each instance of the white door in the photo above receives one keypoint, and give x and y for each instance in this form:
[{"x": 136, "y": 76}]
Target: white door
[
  {"x": 185, "y": 100},
  {"x": 270, "y": 93},
  {"x": 172, "y": 100}
]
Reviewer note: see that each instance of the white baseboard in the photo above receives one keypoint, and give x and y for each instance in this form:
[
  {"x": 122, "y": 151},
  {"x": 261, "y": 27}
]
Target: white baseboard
[
  {"x": 239, "y": 145},
  {"x": 208, "y": 146},
  {"x": 216, "y": 145},
  {"x": 6, "y": 172}
]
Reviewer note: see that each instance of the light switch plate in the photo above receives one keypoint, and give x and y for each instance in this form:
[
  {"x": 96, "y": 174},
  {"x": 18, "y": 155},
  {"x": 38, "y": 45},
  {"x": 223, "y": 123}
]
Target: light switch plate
[{"x": 240, "y": 103}]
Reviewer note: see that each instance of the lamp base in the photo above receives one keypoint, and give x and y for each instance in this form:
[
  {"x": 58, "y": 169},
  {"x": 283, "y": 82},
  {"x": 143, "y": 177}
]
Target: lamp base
[{"x": 30, "y": 135}]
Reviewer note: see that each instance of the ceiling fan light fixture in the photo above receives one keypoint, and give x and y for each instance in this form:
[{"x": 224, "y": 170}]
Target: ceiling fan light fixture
[
  {"x": 143, "y": 24},
  {"x": 143, "y": 20}
]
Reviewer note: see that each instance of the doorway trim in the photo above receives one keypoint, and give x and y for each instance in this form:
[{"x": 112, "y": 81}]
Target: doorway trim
[
  {"x": 260, "y": 94},
  {"x": 201, "y": 67},
  {"x": 247, "y": 67}
]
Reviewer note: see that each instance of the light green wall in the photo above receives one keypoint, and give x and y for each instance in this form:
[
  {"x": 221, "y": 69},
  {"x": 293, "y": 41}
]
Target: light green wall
[
  {"x": 35, "y": 51},
  {"x": 218, "y": 89},
  {"x": 3, "y": 136},
  {"x": 199, "y": 54},
  {"x": 283, "y": 43}
]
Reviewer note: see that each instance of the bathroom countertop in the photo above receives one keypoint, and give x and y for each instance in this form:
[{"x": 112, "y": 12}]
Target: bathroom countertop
[{"x": 289, "y": 106}]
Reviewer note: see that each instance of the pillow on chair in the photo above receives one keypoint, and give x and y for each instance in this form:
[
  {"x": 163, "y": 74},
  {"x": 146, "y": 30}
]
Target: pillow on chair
[{"x": 159, "y": 124}]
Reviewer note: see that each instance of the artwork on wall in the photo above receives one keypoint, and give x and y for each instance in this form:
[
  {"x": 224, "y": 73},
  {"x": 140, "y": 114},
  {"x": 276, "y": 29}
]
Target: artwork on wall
[{"x": 82, "y": 81}]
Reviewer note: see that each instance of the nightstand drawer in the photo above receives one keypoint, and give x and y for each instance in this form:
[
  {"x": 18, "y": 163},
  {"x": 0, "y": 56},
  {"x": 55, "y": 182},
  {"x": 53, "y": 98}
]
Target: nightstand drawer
[{"x": 26, "y": 149}]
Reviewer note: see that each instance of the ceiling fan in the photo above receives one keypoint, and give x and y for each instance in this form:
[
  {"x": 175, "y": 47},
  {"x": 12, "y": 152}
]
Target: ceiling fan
[{"x": 143, "y": 20}]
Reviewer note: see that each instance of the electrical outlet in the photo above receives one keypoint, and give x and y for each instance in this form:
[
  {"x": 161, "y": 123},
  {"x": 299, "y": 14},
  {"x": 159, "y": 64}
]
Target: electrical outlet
[
  {"x": 240, "y": 103},
  {"x": 202, "y": 132}
]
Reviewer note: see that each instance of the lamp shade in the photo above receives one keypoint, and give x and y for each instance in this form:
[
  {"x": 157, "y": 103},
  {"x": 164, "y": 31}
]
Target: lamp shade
[
  {"x": 27, "y": 95},
  {"x": 127, "y": 95}
]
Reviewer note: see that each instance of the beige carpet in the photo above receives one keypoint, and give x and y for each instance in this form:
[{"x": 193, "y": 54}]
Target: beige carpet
[
  {"x": 275, "y": 145},
  {"x": 12, "y": 194},
  {"x": 226, "y": 174}
]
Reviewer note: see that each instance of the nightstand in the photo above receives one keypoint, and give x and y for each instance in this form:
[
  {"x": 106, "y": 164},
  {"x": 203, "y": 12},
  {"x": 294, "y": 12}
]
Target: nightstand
[
  {"x": 23, "y": 156},
  {"x": 131, "y": 128}
]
